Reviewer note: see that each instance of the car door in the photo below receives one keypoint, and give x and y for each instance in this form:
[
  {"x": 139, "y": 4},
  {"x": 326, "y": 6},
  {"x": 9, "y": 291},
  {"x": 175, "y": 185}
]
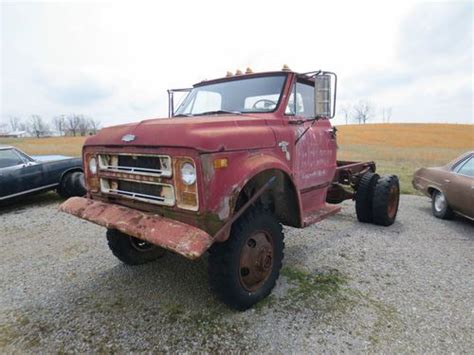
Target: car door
[
  {"x": 11, "y": 165},
  {"x": 32, "y": 174},
  {"x": 460, "y": 187},
  {"x": 314, "y": 162}
]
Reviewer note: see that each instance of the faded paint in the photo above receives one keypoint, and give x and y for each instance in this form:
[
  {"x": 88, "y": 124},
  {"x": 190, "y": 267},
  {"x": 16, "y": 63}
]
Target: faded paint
[
  {"x": 170, "y": 234},
  {"x": 250, "y": 144}
]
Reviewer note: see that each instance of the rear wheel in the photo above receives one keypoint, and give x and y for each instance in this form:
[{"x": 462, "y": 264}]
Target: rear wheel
[
  {"x": 130, "y": 250},
  {"x": 72, "y": 184},
  {"x": 440, "y": 206},
  {"x": 385, "y": 200},
  {"x": 364, "y": 197},
  {"x": 243, "y": 270}
]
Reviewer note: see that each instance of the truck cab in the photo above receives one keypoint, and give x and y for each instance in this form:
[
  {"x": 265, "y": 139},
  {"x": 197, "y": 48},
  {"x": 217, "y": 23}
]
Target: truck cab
[{"x": 237, "y": 158}]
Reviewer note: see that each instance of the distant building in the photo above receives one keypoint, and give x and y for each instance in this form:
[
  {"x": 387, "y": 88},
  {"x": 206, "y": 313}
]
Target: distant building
[{"x": 15, "y": 134}]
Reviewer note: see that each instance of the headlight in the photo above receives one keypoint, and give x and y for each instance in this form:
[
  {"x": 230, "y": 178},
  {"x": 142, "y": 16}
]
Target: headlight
[
  {"x": 188, "y": 173},
  {"x": 93, "y": 166}
]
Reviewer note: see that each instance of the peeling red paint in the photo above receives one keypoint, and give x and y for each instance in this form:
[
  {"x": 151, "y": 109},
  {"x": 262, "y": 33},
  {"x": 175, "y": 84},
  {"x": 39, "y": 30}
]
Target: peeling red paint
[{"x": 178, "y": 237}]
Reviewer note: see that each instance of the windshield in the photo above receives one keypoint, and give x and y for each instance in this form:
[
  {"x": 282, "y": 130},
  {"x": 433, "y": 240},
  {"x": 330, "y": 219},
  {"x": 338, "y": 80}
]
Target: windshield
[{"x": 260, "y": 94}]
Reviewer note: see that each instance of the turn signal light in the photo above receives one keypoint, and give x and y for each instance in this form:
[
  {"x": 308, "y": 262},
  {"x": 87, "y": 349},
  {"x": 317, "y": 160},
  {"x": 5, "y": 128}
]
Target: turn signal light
[{"x": 221, "y": 163}]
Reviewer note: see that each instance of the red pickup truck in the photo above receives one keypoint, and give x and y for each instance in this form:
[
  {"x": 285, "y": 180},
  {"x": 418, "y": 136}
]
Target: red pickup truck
[{"x": 238, "y": 158}]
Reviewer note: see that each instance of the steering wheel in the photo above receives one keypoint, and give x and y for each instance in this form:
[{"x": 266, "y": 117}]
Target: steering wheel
[{"x": 264, "y": 101}]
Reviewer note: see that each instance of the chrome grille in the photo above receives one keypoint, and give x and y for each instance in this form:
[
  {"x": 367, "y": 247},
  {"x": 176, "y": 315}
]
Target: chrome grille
[
  {"x": 162, "y": 194},
  {"x": 141, "y": 164},
  {"x": 137, "y": 176}
]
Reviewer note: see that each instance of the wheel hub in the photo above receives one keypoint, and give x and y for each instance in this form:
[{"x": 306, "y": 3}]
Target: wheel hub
[
  {"x": 256, "y": 261},
  {"x": 393, "y": 198},
  {"x": 440, "y": 202},
  {"x": 141, "y": 245}
]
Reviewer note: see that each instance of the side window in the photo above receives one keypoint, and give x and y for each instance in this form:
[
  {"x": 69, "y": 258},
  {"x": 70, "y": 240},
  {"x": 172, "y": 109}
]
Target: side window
[
  {"x": 25, "y": 157},
  {"x": 8, "y": 158},
  {"x": 466, "y": 168},
  {"x": 304, "y": 105}
]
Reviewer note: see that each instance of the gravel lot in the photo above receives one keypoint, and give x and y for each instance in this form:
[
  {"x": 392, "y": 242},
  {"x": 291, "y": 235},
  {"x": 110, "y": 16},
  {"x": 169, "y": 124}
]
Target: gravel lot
[{"x": 346, "y": 287}]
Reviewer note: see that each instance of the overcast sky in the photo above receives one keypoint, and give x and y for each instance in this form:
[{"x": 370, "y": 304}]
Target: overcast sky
[{"x": 114, "y": 62}]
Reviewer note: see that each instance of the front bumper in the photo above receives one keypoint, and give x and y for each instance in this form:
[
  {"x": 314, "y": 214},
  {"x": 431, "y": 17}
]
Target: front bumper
[{"x": 176, "y": 236}]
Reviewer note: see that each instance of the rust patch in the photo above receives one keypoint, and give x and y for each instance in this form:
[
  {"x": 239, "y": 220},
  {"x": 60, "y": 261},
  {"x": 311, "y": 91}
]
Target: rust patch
[{"x": 176, "y": 236}]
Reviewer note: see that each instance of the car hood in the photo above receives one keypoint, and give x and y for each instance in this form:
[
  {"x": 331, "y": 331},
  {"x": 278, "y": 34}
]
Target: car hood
[
  {"x": 45, "y": 158},
  {"x": 205, "y": 133}
]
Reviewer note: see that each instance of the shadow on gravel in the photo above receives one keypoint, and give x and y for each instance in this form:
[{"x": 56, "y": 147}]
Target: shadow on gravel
[
  {"x": 459, "y": 223},
  {"x": 20, "y": 204}
]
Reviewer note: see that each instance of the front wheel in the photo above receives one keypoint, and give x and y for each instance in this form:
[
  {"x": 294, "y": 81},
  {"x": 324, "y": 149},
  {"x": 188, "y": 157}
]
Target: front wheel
[
  {"x": 130, "y": 250},
  {"x": 243, "y": 270},
  {"x": 440, "y": 206}
]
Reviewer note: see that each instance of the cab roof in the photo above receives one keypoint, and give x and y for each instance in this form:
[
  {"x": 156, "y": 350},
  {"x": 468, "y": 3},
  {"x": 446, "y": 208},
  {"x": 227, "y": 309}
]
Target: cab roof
[{"x": 249, "y": 75}]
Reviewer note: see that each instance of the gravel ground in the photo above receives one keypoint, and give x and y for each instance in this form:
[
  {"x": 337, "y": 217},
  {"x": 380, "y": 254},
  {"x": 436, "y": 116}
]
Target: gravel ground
[{"x": 345, "y": 287}]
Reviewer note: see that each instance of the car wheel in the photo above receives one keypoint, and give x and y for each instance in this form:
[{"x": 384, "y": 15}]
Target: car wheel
[
  {"x": 440, "y": 206},
  {"x": 364, "y": 197},
  {"x": 72, "y": 184},
  {"x": 130, "y": 250},
  {"x": 385, "y": 200},
  {"x": 243, "y": 270}
]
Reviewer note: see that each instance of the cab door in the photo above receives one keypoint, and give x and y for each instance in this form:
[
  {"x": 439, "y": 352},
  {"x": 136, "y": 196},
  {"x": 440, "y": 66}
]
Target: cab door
[{"x": 314, "y": 162}]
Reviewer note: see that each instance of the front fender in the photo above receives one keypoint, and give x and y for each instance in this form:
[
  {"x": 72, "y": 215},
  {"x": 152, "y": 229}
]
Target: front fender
[{"x": 223, "y": 186}]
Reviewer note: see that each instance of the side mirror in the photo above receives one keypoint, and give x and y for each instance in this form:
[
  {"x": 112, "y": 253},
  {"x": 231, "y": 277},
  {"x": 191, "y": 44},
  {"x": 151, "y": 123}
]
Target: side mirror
[{"x": 325, "y": 84}]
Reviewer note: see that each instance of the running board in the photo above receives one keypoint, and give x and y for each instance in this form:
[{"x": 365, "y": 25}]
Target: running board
[{"x": 320, "y": 214}]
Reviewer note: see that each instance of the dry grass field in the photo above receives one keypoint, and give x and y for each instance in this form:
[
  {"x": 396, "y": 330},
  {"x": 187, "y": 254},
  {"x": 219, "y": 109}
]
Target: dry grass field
[
  {"x": 402, "y": 148},
  {"x": 52, "y": 145},
  {"x": 396, "y": 148}
]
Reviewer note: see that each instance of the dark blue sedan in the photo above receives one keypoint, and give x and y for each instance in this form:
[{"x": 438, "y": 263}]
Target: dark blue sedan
[{"x": 21, "y": 174}]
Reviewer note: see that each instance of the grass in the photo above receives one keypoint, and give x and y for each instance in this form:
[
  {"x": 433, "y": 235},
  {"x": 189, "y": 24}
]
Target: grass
[
  {"x": 51, "y": 145},
  {"x": 396, "y": 148},
  {"x": 403, "y": 148}
]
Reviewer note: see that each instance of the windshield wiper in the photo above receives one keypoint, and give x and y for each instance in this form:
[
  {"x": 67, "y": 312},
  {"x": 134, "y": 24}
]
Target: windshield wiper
[
  {"x": 217, "y": 112},
  {"x": 183, "y": 115}
]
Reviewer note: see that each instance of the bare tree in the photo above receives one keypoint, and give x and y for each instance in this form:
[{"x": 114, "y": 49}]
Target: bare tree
[
  {"x": 346, "y": 110},
  {"x": 94, "y": 125},
  {"x": 37, "y": 126},
  {"x": 3, "y": 127},
  {"x": 363, "y": 111},
  {"x": 386, "y": 114},
  {"x": 72, "y": 123},
  {"x": 15, "y": 123},
  {"x": 83, "y": 125},
  {"x": 59, "y": 123}
]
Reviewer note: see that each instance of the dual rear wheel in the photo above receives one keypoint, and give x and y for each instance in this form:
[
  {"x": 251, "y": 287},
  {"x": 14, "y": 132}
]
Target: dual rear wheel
[{"x": 377, "y": 199}]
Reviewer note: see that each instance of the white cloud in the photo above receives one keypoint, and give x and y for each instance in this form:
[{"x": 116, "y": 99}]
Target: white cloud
[{"x": 128, "y": 54}]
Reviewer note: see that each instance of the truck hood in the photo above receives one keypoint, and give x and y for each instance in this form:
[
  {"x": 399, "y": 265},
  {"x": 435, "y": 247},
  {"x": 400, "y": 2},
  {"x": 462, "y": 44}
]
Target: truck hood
[
  {"x": 46, "y": 158},
  {"x": 205, "y": 133}
]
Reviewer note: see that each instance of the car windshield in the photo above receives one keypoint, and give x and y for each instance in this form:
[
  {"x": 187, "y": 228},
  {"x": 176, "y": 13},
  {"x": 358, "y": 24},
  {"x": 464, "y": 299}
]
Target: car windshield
[{"x": 246, "y": 95}]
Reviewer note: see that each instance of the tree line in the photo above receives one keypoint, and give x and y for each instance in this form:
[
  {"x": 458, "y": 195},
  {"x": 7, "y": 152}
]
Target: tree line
[
  {"x": 63, "y": 125},
  {"x": 363, "y": 111}
]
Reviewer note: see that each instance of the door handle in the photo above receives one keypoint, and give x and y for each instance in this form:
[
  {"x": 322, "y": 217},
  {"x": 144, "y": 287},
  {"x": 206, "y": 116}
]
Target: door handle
[
  {"x": 332, "y": 132},
  {"x": 447, "y": 180}
]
